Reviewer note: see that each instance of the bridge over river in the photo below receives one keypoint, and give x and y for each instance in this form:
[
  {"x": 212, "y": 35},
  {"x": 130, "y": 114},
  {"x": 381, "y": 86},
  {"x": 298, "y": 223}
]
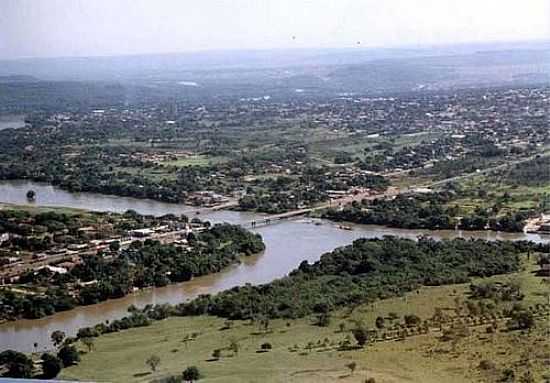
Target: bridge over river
[
  {"x": 267, "y": 220},
  {"x": 270, "y": 219}
]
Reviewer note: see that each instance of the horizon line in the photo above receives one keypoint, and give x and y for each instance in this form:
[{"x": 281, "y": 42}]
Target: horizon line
[{"x": 425, "y": 46}]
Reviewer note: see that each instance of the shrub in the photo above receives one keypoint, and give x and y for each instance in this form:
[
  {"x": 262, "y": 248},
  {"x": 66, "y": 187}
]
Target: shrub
[
  {"x": 361, "y": 336},
  {"x": 51, "y": 366},
  {"x": 68, "y": 355},
  {"x": 486, "y": 365},
  {"x": 412, "y": 320},
  {"x": 191, "y": 374},
  {"x": 16, "y": 364}
]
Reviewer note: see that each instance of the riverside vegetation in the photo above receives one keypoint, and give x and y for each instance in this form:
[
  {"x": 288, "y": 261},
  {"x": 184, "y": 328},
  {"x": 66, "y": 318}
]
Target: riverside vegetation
[
  {"x": 361, "y": 277},
  {"x": 116, "y": 272}
]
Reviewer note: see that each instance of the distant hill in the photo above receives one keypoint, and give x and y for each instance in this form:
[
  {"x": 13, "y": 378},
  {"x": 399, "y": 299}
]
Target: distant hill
[
  {"x": 169, "y": 66},
  {"x": 17, "y": 78},
  {"x": 280, "y": 74}
]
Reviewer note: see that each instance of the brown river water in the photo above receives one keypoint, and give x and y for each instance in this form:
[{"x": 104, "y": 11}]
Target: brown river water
[{"x": 287, "y": 244}]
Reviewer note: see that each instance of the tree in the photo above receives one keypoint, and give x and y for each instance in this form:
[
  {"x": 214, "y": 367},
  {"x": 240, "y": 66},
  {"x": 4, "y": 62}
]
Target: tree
[
  {"x": 323, "y": 319},
  {"x": 234, "y": 346},
  {"x": 361, "y": 335},
  {"x": 439, "y": 317},
  {"x": 114, "y": 246},
  {"x": 216, "y": 354},
  {"x": 266, "y": 346},
  {"x": 508, "y": 376},
  {"x": 68, "y": 355},
  {"x": 487, "y": 365},
  {"x": 16, "y": 364},
  {"x": 264, "y": 323},
  {"x": 521, "y": 320},
  {"x": 352, "y": 366},
  {"x": 379, "y": 322},
  {"x": 57, "y": 337},
  {"x": 88, "y": 342},
  {"x": 393, "y": 316},
  {"x": 412, "y": 320},
  {"x": 31, "y": 195},
  {"x": 51, "y": 366},
  {"x": 153, "y": 362},
  {"x": 227, "y": 325},
  {"x": 527, "y": 378},
  {"x": 191, "y": 374}
]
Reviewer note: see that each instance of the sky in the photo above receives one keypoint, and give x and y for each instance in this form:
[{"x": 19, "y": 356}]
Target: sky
[{"x": 53, "y": 28}]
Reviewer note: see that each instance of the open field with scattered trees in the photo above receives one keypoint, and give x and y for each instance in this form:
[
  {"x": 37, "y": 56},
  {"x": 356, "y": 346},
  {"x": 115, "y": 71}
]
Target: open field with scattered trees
[{"x": 471, "y": 346}]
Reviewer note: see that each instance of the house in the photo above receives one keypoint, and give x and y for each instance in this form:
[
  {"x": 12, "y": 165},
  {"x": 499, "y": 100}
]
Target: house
[
  {"x": 78, "y": 246},
  {"x": 141, "y": 233},
  {"x": 544, "y": 228},
  {"x": 14, "y": 260},
  {"x": 54, "y": 269},
  {"x": 421, "y": 191},
  {"x": 4, "y": 237}
]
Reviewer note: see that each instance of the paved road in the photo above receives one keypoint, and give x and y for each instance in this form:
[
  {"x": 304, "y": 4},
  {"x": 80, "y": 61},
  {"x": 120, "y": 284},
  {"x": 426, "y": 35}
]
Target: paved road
[
  {"x": 389, "y": 193},
  {"x": 205, "y": 210},
  {"x": 486, "y": 170}
]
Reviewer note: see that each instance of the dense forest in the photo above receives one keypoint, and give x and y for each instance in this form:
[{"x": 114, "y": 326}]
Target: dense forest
[
  {"x": 367, "y": 270},
  {"x": 280, "y": 194},
  {"x": 150, "y": 263},
  {"x": 531, "y": 173},
  {"x": 430, "y": 211}
]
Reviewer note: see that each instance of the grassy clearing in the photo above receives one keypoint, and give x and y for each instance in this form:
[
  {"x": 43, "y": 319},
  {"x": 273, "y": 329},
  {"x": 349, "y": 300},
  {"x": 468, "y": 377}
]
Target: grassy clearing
[
  {"x": 127, "y": 142},
  {"x": 414, "y": 139},
  {"x": 196, "y": 160},
  {"x": 424, "y": 358},
  {"x": 42, "y": 209},
  {"x": 520, "y": 196},
  {"x": 149, "y": 173}
]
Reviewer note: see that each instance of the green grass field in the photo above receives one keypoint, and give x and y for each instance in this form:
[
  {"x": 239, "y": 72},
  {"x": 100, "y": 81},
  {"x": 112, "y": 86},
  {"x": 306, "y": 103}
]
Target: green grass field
[
  {"x": 520, "y": 196},
  {"x": 196, "y": 160},
  {"x": 42, "y": 209},
  {"x": 153, "y": 174},
  {"x": 121, "y": 357}
]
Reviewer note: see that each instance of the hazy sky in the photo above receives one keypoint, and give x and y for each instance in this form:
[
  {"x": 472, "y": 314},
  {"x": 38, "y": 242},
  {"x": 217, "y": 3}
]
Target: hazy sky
[{"x": 30, "y": 28}]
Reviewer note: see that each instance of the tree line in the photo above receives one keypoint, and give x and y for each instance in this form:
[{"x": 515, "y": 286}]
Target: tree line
[
  {"x": 426, "y": 212},
  {"x": 367, "y": 270}
]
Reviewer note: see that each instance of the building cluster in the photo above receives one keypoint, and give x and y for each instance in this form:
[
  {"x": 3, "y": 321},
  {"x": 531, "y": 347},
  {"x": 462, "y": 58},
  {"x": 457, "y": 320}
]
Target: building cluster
[
  {"x": 61, "y": 258},
  {"x": 411, "y": 131}
]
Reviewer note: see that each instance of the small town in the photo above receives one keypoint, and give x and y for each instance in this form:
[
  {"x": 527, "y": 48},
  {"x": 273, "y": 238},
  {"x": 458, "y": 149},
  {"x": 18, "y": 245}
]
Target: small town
[
  {"x": 277, "y": 191},
  {"x": 60, "y": 258}
]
